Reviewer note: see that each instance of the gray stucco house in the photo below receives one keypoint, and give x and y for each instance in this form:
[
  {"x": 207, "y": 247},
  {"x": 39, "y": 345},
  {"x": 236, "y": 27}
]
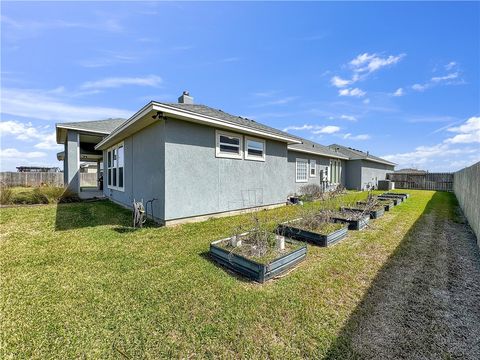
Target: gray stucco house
[{"x": 198, "y": 162}]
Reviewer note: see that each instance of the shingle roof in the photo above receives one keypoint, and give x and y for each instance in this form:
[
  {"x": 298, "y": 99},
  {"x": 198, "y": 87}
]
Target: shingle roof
[
  {"x": 313, "y": 147},
  {"x": 354, "y": 154},
  {"x": 219, "y": 114},
  {"x": 101, "y": 126}
]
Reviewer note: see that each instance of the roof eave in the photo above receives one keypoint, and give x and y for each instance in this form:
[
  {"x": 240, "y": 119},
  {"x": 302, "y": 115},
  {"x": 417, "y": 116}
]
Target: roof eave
[
  {"x": 318, "y": 153},
  {"x": 190, "y": 116}
]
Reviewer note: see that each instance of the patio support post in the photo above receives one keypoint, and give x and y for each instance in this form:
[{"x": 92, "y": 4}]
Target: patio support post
[{"x": 72, "y": 160}]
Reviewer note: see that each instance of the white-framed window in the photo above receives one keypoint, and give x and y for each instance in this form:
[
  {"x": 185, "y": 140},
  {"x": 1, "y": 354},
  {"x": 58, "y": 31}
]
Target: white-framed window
[
  {"x": 115, "y": 167},
  {"x": 254, "y": 149},
  {"x": 313, "y": 168},
  {"x": 301, "y": 170},
  {"x": 335, "y": 171},
  {"x": 228, "y": 145}
]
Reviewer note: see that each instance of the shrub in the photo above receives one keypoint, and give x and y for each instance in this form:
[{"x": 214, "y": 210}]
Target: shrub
[
  {"x": 39, "y": 195},
  {"x": 5, "y": 194},
  {"x": 311, "y": 192}
]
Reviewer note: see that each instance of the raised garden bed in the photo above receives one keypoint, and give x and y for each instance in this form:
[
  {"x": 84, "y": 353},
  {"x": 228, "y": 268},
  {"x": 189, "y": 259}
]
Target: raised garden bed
[
  {"x": 259, "y": 269},
  {"x": 374, "y": 213},
  {"x": 354, "y": 220},
  {"x": 403, "y": 195},
  {"x": 387, "y": 204},
  {"x": 396, "y": 199},
  {"x": 324, "y": 235}
]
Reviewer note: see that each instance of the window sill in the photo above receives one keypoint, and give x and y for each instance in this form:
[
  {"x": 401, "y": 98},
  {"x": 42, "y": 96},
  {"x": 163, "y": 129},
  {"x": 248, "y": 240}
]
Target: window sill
[
  {"x": 255, "y": 159},
  {"x": 116, "y": 188}
]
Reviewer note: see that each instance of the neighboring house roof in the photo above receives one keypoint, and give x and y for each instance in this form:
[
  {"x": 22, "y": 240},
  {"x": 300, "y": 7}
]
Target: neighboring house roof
[
  {"x": 410, "y": 171},
  {"x": 194, "y": 113},
  {"x": 103, "y": 127},
  {"x": 311, "y": 147},
  {"x": 354, "y": 154}
]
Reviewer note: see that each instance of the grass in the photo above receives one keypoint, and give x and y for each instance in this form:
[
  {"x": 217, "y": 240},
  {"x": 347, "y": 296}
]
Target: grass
[{"x": 78, "y": 282}]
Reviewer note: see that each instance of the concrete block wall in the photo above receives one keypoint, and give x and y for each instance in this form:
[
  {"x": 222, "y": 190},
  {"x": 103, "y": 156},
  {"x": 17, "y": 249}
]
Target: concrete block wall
[{"x": 466, "y": 185}]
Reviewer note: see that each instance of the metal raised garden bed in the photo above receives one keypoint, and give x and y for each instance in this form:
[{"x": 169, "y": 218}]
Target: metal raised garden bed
[
  {"x": 386, "y": 206},
  {"x": 288, "y": 229},
  {"x": 397, "y": 200},
  {"x": 374, "y": 214},
  {"x": 252, "y": 269},
  {"x": 353, "y": 224},
  {"x": 403, "y": 195}
]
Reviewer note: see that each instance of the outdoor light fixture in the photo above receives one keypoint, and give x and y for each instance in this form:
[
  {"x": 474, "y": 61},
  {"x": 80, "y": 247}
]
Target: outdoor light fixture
[{"x": 158, "y": 115}]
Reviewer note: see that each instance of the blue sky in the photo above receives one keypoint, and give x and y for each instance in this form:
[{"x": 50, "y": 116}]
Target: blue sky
[{"x": 400, "y": 80}]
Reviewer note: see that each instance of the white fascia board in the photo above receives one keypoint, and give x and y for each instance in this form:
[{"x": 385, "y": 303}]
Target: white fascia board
[
  {"x": 59, "y": 127},
  {"x": 109, "y": 140},
  {"x": 386, "y": 162},
  {"x": 319, "y": 154}
]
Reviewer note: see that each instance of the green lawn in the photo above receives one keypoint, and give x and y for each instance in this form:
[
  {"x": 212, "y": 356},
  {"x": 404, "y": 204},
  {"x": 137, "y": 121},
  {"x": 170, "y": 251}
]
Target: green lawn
[{"x": 77, "y": 282}]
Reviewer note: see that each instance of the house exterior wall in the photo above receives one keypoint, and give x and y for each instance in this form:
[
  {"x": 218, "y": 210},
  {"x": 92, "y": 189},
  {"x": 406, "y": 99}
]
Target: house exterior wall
[
  {"x": 353, "y": 174},
  {"x": 373, "y": 171},
  {"x": 144, "y": 166},
  {"x": 321, "y": 163},
  {"x": 198, "y": 183}
]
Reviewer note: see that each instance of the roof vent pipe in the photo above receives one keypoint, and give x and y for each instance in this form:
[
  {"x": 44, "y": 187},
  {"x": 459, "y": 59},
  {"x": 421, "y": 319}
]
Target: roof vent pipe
[{"x": 185, "y": 98}]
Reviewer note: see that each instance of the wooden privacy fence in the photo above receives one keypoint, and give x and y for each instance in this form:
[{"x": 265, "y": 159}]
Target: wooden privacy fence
[
  {"x": 427, "y": 181},
  {"x": 43, "y": 178}
]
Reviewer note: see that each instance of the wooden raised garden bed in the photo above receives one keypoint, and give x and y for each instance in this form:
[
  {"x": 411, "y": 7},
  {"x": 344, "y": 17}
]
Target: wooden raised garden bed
[
  {"x": 353, "y": 222},
  {"x": 293, "y": 229},
  {"x": 374, "y": 214},
  {"x": 258, "y": 269}
]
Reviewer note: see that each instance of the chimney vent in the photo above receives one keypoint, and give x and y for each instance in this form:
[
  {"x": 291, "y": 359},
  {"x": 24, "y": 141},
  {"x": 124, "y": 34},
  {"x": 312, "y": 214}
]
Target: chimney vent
[{"x": 185, "y": 98}]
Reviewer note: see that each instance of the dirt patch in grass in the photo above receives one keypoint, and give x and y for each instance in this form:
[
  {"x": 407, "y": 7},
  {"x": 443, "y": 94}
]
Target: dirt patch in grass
[{"x": 425, "y": 301}]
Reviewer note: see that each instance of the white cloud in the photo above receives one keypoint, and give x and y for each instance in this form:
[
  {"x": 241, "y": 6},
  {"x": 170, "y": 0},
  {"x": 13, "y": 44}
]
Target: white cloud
[
  {"x": 445, "y": 78},
  {"x": 314, "y": 129},
  {"x": 362, "y": 66},
  {"x": 348, "y": 117},
  {"x": 451, "y": 65},
  {"x": 367, "y": 63},
  {"x": 339, "y": 82},
  {"x": 356, "y": 137},
  {"x": 49, "y": 142},
  {"x": 329, "y": 129},
  {"x": 366, "y": 101},
  {"x": 451, "y": 154},
  {"x": 356, "y": 92},
  {"x": 10, "y": 158},
  {"x": 108, "y": 60},
  {"x": 36, "y": 104},
  {"x": 21, "y": 131},
  {"x": 399, "y": 92},
  {"x": 115, "y": 82},
  {"x": 27, "y": 132},
  {"x": 449, "y": 79},
  {"x": 12, "y": 153},
  {"x": 419, "y": 87},
  {"x": 469, "y": 132}
]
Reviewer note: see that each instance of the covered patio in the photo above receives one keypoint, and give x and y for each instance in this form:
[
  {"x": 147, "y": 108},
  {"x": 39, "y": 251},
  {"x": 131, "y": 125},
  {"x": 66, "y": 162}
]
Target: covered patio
[{"x": 79, "y": 140}]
